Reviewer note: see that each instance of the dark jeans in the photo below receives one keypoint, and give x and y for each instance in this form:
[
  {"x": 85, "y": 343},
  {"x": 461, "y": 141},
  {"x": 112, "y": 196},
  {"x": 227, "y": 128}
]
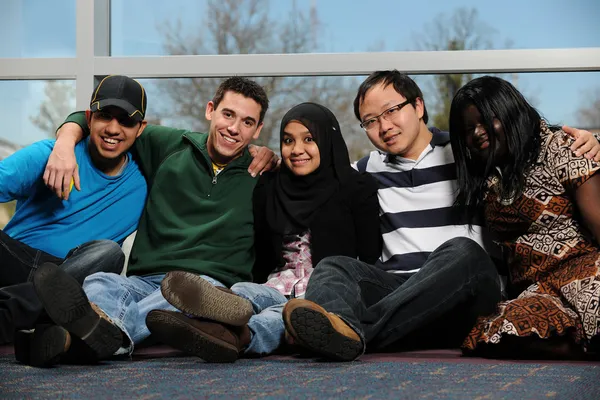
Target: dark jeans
[
  {"x": 20, "y": 307},
  {"x": 436, "y": 307}
]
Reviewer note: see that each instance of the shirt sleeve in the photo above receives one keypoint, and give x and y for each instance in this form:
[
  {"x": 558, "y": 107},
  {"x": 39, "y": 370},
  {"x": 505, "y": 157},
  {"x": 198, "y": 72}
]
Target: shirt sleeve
[
  {"x": 22, "y": 170},
  {"x": 572, "y": 171}
]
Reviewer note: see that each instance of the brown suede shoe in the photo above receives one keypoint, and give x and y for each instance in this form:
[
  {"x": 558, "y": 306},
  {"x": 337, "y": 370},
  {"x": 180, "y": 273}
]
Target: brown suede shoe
[
  {"x": 195, "y": 296},
  {"x": 68, "y": 306},
  {"x": 211, "y": 341},
  {"x": 322, "y": 332}
]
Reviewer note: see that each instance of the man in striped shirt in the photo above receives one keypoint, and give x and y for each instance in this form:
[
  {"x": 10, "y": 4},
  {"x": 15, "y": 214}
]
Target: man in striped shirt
[{"x": 434, "y": 277}]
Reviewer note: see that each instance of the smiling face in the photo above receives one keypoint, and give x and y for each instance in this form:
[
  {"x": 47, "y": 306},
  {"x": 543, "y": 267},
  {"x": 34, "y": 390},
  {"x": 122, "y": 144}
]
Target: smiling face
[
  {"x": 402, "y": 133},
  {"x": 477, "y": 137},
  {"x": 112, "y": 133},
  {"x": 299, "y": 150},
  {"x": 233, "y": 125}
]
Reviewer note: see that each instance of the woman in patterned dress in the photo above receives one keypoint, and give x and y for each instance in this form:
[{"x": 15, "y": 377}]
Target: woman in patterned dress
[{"x": 540, "y": 200}]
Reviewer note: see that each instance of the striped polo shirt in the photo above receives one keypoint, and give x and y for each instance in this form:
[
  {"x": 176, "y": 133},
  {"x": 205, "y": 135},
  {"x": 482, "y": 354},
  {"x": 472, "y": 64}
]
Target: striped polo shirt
[{"x": 416, "y": 200}]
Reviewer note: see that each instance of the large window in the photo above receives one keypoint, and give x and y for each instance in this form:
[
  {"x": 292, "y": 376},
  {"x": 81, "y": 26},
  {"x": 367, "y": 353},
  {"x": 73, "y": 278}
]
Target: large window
[
  {"x": 31, "y": 110},
  {"x": 301, "y": 50},
  {"x": 186, "y": 27},
  {"x": 37, "y": 28},
  {"x": 562, "y": 98}
]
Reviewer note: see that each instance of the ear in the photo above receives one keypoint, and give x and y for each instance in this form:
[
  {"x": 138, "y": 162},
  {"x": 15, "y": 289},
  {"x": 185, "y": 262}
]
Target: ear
[
  {"x": 88, "y": 117},
  {"x": 420, "y": 107},
  {"x": 141, "y": 129},
  {"x": 210, "y": 107},
  {"x": 257, "y": 133}
]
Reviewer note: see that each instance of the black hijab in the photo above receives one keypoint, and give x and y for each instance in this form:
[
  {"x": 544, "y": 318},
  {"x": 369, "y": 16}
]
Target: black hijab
[{"x": 293, "y": 201}]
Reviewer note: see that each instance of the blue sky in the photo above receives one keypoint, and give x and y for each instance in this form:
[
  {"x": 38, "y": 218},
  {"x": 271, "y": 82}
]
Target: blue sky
[{"x": 39, "y": 28}]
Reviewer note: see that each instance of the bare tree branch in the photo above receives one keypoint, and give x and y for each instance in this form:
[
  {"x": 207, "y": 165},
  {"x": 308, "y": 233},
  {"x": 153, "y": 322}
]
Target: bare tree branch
[
  {"x": 246, "y": 27},
  {"x": 59, "y": 102}
]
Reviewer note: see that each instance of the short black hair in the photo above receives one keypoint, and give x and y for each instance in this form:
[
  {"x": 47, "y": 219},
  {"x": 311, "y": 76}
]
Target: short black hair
[
  {"x": 247, "y": 88},
  {"x": 403, "y": 84}
]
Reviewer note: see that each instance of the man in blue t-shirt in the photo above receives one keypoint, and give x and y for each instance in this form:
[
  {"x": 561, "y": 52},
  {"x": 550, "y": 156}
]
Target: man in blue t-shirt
[{"x": 85, "y": 224}]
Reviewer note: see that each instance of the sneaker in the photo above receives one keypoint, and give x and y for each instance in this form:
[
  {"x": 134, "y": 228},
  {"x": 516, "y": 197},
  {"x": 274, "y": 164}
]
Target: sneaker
[
  {"x": 68, "y": 306},
  {"x": 321, "y": 332},
  {"x": 211, "y": 341},
  {"x": 195, "y": 296},
  {"x": 42, "y": 346}
]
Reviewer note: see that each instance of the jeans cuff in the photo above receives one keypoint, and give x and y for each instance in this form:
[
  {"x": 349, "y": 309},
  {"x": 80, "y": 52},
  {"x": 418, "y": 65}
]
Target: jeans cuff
[
  {"x": 123, "y": 350},
  {"x": 358, "y": 331}
]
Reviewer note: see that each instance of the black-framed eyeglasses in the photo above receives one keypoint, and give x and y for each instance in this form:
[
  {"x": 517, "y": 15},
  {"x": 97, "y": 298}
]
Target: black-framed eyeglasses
[
  {"x": 123, "y": 119},
  {"x": 372, "y": 123}
]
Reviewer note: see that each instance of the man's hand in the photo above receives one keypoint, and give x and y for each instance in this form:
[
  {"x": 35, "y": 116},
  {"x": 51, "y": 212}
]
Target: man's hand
[
  {"x": 264, "y": 160},
  {"x": 585, "y": 143},
  {"x": 61, "y": 168}
]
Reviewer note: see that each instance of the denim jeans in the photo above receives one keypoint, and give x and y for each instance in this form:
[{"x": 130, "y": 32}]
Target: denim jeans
[
  {"x": 266, "y": 325},
  {"x": 435, "y": 307},
  {"x": 127, "y": 300},
  {"x": 20, "y": 307}
]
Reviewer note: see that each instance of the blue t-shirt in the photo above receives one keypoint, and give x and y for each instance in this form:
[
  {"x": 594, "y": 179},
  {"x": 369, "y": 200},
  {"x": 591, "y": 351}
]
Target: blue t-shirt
[{"x": 107, "y": 207}]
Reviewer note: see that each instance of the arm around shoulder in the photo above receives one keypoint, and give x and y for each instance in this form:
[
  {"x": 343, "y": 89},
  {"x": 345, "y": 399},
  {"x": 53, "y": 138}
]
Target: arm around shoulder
[{"x": 61, "y": 167}]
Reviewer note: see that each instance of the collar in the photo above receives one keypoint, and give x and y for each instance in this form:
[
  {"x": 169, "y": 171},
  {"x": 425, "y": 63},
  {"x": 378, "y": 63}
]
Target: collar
[{"x": 199, "y": 141}]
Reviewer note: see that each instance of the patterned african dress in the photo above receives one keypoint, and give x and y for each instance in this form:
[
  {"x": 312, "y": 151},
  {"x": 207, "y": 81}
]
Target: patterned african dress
[{"x": 552, "y": 257}]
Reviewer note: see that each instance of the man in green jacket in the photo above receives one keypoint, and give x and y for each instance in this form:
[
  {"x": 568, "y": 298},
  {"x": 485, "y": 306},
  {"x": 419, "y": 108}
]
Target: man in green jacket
[{"x": 198, "y": 218}]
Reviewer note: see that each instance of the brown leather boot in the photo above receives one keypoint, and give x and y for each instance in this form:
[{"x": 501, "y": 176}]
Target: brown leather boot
[
  {"x": 195, "y": 296},
  {"x": 211, "y": 341},
  {"x": 322, "y": 332}
]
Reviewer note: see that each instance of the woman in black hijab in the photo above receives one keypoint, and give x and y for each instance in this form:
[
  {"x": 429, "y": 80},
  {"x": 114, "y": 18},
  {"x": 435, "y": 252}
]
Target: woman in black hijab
[{"x": 316, "y": 205}]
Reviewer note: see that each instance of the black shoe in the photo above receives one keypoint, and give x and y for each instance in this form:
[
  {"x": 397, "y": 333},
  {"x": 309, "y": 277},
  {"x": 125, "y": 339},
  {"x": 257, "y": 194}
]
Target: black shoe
[
  {"x": 68, "y": 306},
  {"x": 42, "y": 347}
]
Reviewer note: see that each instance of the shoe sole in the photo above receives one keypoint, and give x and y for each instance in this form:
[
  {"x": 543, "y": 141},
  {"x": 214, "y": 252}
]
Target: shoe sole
[
  {"x": 181, "y": 336},
  {"x": 68, "y": 306},
  {"x": 194, "y": 295},
  {"x": 314, "y": 331}
]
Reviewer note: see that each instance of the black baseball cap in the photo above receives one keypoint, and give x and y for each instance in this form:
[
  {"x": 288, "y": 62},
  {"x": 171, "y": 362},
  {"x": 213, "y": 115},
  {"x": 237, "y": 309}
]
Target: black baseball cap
[{"x": 123, "y": 92}]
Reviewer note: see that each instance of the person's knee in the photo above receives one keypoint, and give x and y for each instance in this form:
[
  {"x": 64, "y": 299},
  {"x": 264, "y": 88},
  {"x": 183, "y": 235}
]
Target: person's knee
[
  {"x": 99, "y": 278},
  {"x": 243, "y": 288},
  {"x": 468, "y": 249},
  {"x": 335, "y": 265},
  {"x": 110, "y": 255},
  {"x": 464, "y": 245}
]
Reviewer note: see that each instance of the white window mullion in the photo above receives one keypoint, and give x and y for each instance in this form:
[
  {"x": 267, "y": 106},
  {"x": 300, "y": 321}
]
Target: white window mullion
[{"x": 85, "y": 53}]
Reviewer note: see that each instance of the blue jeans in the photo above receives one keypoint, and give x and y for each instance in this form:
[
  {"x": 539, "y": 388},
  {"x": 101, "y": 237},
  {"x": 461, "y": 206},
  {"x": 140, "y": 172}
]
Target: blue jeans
[
  {"x": 266, "y": 324},
  {"x": 20, "y": 307},
  {"x": 436, "y": 307},
  {"x": 127, "y": 300}
]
